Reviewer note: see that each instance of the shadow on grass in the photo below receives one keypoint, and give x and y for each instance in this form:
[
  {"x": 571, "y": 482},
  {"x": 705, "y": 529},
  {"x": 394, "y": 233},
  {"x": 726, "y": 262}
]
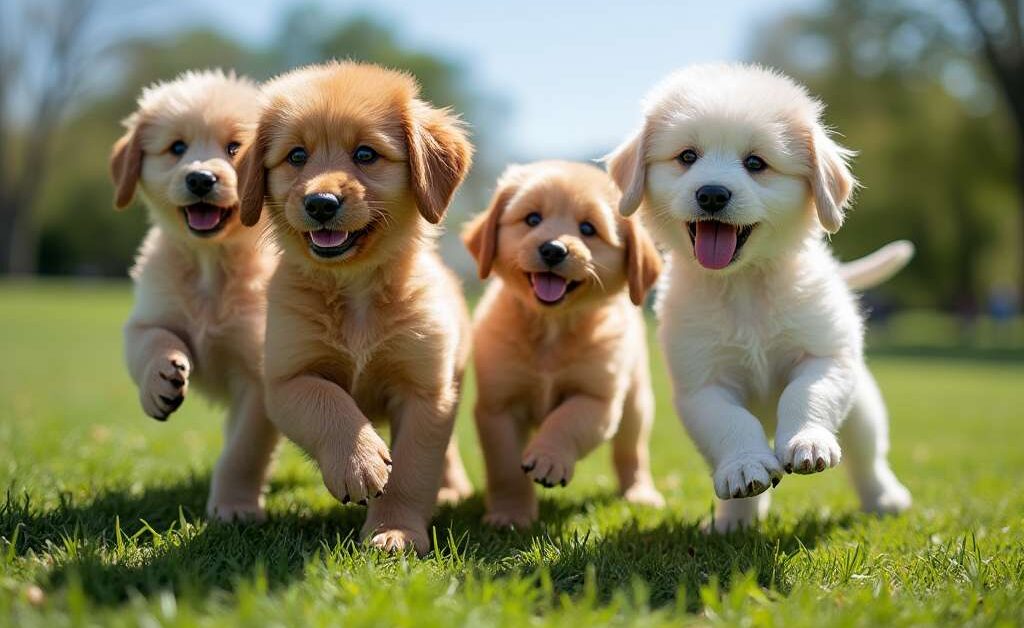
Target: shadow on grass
[{"x": 169, "y": 553}]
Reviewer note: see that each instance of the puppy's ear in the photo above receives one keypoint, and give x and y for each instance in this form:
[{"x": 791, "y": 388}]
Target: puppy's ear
[
  {"x": 126, "y": 166},
  {"x": 439, "y": 158},
  {"x": 643, "y": 263},
  {"x": 831, "y": 180},
  {"x": 627, "y": 165},
  {"x": 252, "y": 180},
  {"x": 481, "y": 233}
]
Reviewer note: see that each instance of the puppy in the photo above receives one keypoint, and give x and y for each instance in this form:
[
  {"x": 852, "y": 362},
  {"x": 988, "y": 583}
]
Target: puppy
[
  {"x": 740, "y": 180},
  {"x": 200, "y": 278},
  {"x": 560, "y": 345},
  {"x": 364, "y": 321}
]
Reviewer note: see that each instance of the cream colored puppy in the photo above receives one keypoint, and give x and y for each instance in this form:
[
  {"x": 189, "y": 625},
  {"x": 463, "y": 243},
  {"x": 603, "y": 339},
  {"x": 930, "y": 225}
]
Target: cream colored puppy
[
  {"x": 560, "y": 344},
  {"x": 200, "y": 278},
  {"x": 739, "y": 179}
]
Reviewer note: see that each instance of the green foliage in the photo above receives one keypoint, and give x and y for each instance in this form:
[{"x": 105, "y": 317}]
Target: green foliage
[{"x": 102, "y": 521}]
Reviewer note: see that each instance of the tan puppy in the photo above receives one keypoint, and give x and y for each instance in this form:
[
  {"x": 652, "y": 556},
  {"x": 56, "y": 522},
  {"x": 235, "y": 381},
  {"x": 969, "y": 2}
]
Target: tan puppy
[
  {"x": 200, "y": 278},
  {"x": 559, "y": 343},
  {"x": 364, "y": 321}
]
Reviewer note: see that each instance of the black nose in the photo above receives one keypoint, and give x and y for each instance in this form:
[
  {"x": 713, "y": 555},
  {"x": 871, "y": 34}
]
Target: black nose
[
  {"x": 553, "y": 252},
  {"x": 321, "y": 206},
  {"x": 200, "y": 182},
  {"x": 713, "y": 198}
]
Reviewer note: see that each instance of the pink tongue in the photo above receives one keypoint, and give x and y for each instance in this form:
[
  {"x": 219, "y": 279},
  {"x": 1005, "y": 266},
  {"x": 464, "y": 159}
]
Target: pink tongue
[
  {"x": 203, "y": 218},
  {"x": 328, "y": 238},
  {"x": 715, "y": 244},
  {"x": 548, "y": 287}
]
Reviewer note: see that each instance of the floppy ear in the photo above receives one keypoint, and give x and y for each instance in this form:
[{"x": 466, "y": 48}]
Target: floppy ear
[
  {"x": 481, "y": 234},
  {"x": 643, "y": 263},
  {"x": 831, "y": 180},
  {"x": 439, "y": 158},
  {"x": 252, "y": 181},
  {"x": 126, "y": 166},
  {"x": 628, "y": 167}
]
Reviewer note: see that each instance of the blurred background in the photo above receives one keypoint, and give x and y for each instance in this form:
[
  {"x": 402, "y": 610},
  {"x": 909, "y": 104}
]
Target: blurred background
[{"x": 930, "y": 94}]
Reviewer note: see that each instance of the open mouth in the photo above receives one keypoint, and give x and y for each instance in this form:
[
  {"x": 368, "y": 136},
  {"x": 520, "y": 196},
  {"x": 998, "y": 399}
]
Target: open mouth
[
  {"x": 328, "y": 243},
  {"x": 717, "y": 244},
  {"x": 204, "y": 219},
  {"x": 549, "y": 288}
]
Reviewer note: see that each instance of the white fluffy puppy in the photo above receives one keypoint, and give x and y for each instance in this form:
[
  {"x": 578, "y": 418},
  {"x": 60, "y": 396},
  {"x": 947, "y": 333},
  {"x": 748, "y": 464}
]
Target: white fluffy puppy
[{"x": 739, "y": 179}]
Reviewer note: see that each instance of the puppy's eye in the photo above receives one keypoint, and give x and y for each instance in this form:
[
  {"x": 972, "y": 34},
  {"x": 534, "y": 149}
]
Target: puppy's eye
[
  {"x": 178, "y": 148},
  {"x": 688, "y": 156},
  {"x": 365, "y": 155},
  {"x": 753, "y": 163},
  {"x": 587, "y": 228},
  {"x": 533, "y": 219},
  {"x": 298, "y": 156},
  {"x": 232, "y": 148}
]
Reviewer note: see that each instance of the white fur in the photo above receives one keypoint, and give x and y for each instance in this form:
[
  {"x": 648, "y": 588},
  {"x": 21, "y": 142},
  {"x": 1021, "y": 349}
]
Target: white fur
[{"x": 773, "y": 343}]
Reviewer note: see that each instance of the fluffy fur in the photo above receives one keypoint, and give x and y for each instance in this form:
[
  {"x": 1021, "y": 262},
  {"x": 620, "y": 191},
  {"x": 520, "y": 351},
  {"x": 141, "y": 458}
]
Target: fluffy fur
[
  {"x": 772, "y": 340},
  {"x": 199, "y": 293},
  {"x": 372, "y": 327},
  {"x": 574, "y": 368}
]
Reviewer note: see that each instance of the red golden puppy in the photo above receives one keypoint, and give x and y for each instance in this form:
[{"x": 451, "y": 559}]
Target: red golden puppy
[
  {"x": 364, "y": 321},
  {"x": 560, "y": 346},
  {"x": 200, "y": 278}
]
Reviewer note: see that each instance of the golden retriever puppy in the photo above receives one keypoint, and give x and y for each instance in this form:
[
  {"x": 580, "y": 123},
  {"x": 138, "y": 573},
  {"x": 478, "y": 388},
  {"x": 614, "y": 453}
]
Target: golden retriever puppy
[
  {"x": 364, "y": 321},
  {"x": 200, "y": 278},
  {"x": 560, "y": 346},
  {"x": 737, "y": 176}
]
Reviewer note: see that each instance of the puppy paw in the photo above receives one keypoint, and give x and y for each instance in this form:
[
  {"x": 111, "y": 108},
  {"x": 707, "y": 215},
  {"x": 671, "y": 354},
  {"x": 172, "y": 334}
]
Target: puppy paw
[
  {"x": 891, "y": 499},
  {"x": 746, "y": 475},
  {"x": 236, "y": 512},
  {"x": 510, "y": 518},
  {"x": 399, "y": 540},
  {"x": 361, "y": 472},
  {"x": 644, "y": 494},
  {"x": 164, "y": 385},
  {"x": 454, "y": 489},
  {"x": 548, "y": 466},
  {"x": 811, "y": 450}
]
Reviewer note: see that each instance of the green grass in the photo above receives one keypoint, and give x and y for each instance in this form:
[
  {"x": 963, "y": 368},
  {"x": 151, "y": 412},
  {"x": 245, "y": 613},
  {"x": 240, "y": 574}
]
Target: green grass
[{"x": 102, "y": 522}]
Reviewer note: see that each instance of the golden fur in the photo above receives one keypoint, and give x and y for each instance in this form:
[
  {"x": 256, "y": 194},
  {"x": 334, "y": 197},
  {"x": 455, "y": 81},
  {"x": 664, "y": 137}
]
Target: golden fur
[
  {"x": 576, "y": 371},
  {"x": 379, "y": 331},
  {"x": 199, "y": 301}
]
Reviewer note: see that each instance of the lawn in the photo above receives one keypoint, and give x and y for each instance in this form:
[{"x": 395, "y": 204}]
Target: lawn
[{"x": 102, "y": 517}]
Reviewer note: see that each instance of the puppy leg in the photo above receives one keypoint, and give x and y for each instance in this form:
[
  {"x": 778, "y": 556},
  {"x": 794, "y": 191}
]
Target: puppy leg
[
  {"x": 737, "y": 514},
  {"x": 570, "y": 432},
  {"x": 510, "y": 498},
  {"x": 399, "y": 519},
  {"x": 811, "y": 410},
  {"x": 630, "y": 448},
  {"x": 319, "y": 416},
  {"x": 160, "y": 364},
  {"x": 455, "y": 484},
  {"x": 865, "y": 438},
  {"x": 732, "y": 440},
  {"x": 236, "y": 492}
]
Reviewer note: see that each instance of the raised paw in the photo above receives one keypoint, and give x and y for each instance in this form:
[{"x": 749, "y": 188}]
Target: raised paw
[
  {"x": 746, "y": 475},
  {"x": 164, "y": 385},
  {"x": 810, "y": 450},
  {"x": 362, "y": 472},
  {"x": 644, "y": 494},
  {"x": 548, "y": 466},
  {"x": 399, "y": 540}
]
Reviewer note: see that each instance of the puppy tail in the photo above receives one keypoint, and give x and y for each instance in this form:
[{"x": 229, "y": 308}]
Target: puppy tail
[{"x": 878, "y": 267}]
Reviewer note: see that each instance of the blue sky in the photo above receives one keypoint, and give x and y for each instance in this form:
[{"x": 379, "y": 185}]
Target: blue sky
[{"x": 572, "y": 72}]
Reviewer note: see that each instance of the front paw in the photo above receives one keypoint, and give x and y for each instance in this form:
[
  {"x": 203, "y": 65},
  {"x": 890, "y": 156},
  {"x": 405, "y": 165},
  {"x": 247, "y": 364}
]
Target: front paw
[
  {"x": 746, "y": 475},
  {"x": 511, "y": 517},
  {"x": 548, "y": 465},
  {"x": 164, "y": 385},
  {"x": 400, "y": 539},
  {"x": 811, "y": 450},
  {"x": 361, "y": 472}
]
